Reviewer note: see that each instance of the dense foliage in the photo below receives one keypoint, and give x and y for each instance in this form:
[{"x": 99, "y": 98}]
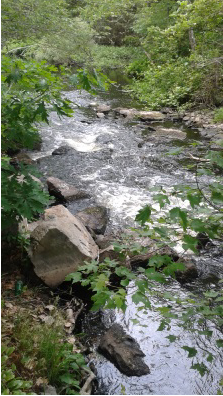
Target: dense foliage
[
  {"x": 179, "y": 58},
  {"x": 176, "y": 45},
  {"x": 30, "y": 91}
]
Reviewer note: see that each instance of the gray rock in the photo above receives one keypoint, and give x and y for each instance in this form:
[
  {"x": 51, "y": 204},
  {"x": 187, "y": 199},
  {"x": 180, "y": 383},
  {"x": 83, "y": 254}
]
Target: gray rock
[
  {"x": 122, "y": 350},
  {"x": 61, "y": 150},
  {"x": 151, "y": 115},
  {"x": 129, "y": 113},
  {"x": 49, "y": 390},
  {"x": 23, "y": 158},
  {"x": 103, "y": 109},
  {"x": 59, "y": 245},
  {"x": 171, "y": 133},
  {"x": 93, "y": 104},
  {"x": 100, "y": 115},
  {"x": 64, "y": 191},
  {"x": 189, "y": 274},
  {"x": 95, "y": 217},
  {"x": 104, "y": 139}
]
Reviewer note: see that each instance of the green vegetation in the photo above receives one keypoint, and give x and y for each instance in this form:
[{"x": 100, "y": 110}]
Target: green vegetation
[
  {"x": 179, "y": 52},
  {"x": 11, "y": 384},
  {"x": 218, "y": 116},
  {"x": 36, "y": 346}
]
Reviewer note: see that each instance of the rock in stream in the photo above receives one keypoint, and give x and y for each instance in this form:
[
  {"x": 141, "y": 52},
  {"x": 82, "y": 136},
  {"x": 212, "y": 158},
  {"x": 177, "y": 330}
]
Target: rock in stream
[{"x": 122, "y": 350}]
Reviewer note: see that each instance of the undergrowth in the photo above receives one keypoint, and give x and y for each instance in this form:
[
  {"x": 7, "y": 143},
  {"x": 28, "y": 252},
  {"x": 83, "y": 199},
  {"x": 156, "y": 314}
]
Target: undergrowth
[{"x": 37, "y": 353}]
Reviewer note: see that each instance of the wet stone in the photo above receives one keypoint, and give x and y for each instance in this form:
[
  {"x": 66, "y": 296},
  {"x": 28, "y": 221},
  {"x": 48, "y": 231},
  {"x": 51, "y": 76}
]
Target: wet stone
[
  {"x": 62, "y": 150},
  {"x": 95, "y": 218},
  {"x": 122, "y": 350},
  {"x": 64, "y": 191}
]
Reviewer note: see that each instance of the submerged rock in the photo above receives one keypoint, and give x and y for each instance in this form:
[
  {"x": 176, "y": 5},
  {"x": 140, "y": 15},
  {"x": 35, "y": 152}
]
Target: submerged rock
[
  {"x": 95, "y": 218},
  {"x": 190, "y": 273},
  {"x": 61, "y": 150},
  {"x": 171, "y": 133},
  {"x": 64, "y": 191},
  {"x": 151, "y": 115},
  {"x": 59, "y": 245},
  {"x": 122, "y": 350}
]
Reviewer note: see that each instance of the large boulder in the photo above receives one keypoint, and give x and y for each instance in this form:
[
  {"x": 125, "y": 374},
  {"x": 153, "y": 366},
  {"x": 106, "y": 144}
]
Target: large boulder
[
  {"x": 64, "y": 191},
  {"x": 122, "y": 350},
  {"x": 59, "y": 245},
  {"x": 95, "y": 218}
]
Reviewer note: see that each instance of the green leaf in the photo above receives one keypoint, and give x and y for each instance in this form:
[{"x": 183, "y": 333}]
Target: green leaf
[
  {"x": 171, "y": 338},
  {"x": 208, "y": 333},
  {"x": 211, "y": 294},
  {"x": 41, "y": 110},
  {"x": 144, "y": 215},
  {"x": 191, "y": 351},
  {"x": 181, "y": 214},
  {"x": 201, "y": 368},
  {"x": 194, "y": 199},
  {"x": 163, "y": 325},
  {"x": 219, "y": 343},
  {"x": 190, "y": 243},
  {"x": 162, "y": 199},
  {"x": 139, "y": 297},
  {"x": 217, "y": 197},
  {"x": 74, "y": 276},
  {"x": 69, "y": 379},
  {"x": 210, "y": 358}
]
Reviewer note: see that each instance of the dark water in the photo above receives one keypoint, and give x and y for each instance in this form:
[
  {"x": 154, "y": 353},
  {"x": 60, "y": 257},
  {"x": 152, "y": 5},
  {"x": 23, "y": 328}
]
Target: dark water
[{"x": 117, "y": 162}]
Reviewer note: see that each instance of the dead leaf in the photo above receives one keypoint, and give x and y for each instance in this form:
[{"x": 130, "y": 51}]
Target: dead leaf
[
  {"x": 9, "y": 305},
  {"x": 71, "y": 340},
  {"x": 46, "y": 319},
  {"x": 50, "y": 307},
  {"x": 67, "y": 324},
  {"x": 41, "y": 381},
  {"x": 70, "y": 315}
]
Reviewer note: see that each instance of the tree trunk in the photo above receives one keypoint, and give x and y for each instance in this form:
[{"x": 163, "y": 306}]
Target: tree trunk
[{"x": 192, "y": 39}]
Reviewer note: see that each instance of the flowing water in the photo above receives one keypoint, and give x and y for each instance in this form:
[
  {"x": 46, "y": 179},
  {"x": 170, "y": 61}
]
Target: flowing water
[{"x": 118, "y": 161}]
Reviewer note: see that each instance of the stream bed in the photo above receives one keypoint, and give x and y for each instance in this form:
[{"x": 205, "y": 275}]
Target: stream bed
[{"x": 117, "y": 161}]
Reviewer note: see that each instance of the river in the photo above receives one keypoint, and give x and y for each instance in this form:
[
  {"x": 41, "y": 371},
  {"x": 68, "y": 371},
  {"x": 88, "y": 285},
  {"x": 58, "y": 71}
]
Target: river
[{"x": 118, "y": 161}]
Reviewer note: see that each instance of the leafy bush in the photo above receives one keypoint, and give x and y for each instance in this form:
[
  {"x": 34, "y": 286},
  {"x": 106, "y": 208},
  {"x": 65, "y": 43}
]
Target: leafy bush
[
  {"x": 105, "y": 56},
  {"x": 218, "y": 115},
  {"x": 22, "y": 196},
  {"x": 166, "y": 85},
  {"x": 30, "y": 91}
]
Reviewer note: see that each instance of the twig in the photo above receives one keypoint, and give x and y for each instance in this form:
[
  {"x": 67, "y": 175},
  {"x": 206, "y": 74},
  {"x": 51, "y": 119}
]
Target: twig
[
  {"x": 204, "y": 196},
  {"x": 199, "y": 159},
  {"x": 86, "y": 388}
]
